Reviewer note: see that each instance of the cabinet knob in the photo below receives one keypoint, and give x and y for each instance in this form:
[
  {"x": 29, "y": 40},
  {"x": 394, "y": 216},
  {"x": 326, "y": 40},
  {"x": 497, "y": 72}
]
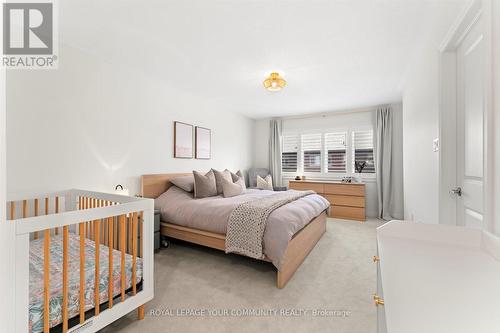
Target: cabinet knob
[
  {"x": 378, "y": 300},
  {"x": 376, "y": 258}
]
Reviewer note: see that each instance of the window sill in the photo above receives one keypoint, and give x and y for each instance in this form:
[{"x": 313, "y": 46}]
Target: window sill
[{"x": 371, "y": 178}]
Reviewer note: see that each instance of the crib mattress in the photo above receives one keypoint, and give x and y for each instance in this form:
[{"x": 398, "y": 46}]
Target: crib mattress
[{"x": 36, "y": 288}]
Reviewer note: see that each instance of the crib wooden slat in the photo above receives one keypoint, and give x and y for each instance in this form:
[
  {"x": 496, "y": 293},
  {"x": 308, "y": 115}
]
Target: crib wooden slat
[
  {"x": 106, "y": 233},
  {"x": 65, "y": 279},
  {"x": 105, "y": 229},
  {"x": 46, "y": 206},
  {"x": 92, "y": 230},
  {"x": 134, "y": 252},
  {"x": 117, "y": 236},
  {"x": 37, "y": 207},
  {"x": 141, "y": 224},
  {"x": 56, "y": 209},
  {"x": 129, "y": 242},
  {"x": 25, "y": 209},
  {"x": 12, "y": 210},
  {"x": 80, "y": 207},
  {"x": 46, "y": 280},
  {"x": 110, "y": 258},
  {"x": 123, "y": 230},
  {"x": 97, "y": 230},
  {"x": 82, "y": 272}
]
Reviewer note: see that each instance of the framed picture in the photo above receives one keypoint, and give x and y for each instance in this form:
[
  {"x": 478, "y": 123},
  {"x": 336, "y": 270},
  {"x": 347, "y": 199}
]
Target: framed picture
[
  {"x": 183, "y": 140},
  {"x": 203, "y": 143}
]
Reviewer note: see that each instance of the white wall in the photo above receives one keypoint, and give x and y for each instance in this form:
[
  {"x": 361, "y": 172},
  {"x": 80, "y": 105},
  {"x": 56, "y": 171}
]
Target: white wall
[
  {"x": 339, "y": 119},
  {"x": 92, "y": 125},
  {"x": 261, "y": 143},
  {"x": 421, "y": 126},
  {"x": 496, "y": 101},
  {"x": 7, "y": 244}
]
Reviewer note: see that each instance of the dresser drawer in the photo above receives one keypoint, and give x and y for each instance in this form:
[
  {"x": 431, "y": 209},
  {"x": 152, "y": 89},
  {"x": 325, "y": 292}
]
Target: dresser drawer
[
  {"x": 345, "y": 200},
  {"x": 350, "y": 213},
  {"x": 304, "y": 186},
  {"x": 344, "y": 189}
]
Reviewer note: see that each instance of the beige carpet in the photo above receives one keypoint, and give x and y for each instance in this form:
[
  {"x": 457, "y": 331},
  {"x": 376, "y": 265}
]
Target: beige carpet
[{"x": 337, "y": 275}]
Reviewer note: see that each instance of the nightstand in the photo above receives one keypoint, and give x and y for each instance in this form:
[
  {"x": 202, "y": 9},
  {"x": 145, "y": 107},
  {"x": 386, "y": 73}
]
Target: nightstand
[{"x": 157, "y": 230}]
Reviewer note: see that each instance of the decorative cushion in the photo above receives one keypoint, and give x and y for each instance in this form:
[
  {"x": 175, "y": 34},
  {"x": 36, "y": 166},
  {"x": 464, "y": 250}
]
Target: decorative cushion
[
  {"x": 253, "y": 173},
  {"x": 230, "y": 189},
  {"x": 219, "y": 176},
  {"x": 238, "y": 178},
  {"x": 185, "y": 182},
  {"x": 265, "y": 184},
  {"x": 204, "y": 185}
]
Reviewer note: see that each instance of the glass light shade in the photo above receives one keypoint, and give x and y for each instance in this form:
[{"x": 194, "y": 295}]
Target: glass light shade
[{"x": 274, "y": 82}]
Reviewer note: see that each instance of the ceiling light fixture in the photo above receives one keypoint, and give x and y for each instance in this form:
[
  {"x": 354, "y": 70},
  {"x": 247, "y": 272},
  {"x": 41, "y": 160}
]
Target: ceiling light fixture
[{"x": 274, "y": 82}]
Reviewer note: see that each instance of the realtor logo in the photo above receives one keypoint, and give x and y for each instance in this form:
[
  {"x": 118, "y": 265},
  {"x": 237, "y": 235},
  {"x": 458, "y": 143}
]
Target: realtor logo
[{"x": 28, "y": 35}]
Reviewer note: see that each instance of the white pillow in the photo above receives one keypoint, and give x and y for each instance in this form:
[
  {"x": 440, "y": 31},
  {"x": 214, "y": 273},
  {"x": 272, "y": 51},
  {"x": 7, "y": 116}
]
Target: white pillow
[
  {"x": 230, "y": 189},
  {"x": 265, "y": 184}
]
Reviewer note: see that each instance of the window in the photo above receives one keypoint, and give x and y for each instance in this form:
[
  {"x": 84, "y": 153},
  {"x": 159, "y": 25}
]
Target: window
[
  {"x": 335, "y": 147},
  {"x": 362, "y": 142},
  {"x": 290, "y": 153},
  {"x": 311, "y": 152},
  {"x": 329, "y": 154}
]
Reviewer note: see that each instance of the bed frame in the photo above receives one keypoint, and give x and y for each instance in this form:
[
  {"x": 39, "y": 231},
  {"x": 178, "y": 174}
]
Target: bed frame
[
  {"x": 298, "y": 248},
  {"x": 118, "y": 222}
]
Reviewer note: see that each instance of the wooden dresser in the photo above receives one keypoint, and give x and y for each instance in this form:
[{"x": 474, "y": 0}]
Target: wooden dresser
[{"x": 347, "y": 200}]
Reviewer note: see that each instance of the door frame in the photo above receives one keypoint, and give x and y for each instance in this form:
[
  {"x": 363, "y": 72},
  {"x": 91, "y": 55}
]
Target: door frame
[{"x": 448, "y": 113}]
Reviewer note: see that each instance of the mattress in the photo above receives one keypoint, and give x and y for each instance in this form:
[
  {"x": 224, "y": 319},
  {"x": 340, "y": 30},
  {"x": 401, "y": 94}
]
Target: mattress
[
  {"x": 36, "y": 287},
  {"x": 212, "y": 214}
]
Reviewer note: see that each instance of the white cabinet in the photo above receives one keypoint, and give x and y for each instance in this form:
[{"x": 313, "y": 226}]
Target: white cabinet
[
  {"x": 381, "y": 325},
  {"x": 437, "y": 278}
]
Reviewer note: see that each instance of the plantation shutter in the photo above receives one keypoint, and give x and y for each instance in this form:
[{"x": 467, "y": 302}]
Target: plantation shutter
[
  {"x": 363, "y": 151},
  {"x": 289, "y": 155},
  {"x": 335, "y": 148},
  {"x": 311, "y": 152}
]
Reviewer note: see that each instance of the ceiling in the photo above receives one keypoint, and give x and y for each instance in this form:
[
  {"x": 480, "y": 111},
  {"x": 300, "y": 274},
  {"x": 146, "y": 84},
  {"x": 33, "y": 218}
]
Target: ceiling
[{"x": 334, "y": 54}]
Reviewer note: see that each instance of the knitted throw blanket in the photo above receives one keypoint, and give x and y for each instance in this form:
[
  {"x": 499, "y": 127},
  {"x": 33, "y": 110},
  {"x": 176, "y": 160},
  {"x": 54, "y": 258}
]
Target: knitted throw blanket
[{"x": 247, "y": 222}]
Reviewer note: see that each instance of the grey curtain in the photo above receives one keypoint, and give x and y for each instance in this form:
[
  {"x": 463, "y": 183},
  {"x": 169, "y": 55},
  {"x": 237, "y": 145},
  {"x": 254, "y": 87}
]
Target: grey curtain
[
  {"x": 383, "y": 160},
  {"x": 275, "y": 150}
]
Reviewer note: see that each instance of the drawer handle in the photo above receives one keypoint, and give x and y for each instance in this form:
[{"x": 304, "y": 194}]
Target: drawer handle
[
  {"x": 378, "y": 300},
  {"x": 376, "y": 258}
]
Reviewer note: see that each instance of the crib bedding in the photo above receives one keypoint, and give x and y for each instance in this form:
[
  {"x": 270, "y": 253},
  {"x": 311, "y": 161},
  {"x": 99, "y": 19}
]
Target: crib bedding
[{"x": 36, "y": 287}]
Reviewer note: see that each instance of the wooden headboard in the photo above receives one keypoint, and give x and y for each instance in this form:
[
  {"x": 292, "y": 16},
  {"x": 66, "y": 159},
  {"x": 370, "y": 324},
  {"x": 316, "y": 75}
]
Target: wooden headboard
[{"x": 152, "y": 186}]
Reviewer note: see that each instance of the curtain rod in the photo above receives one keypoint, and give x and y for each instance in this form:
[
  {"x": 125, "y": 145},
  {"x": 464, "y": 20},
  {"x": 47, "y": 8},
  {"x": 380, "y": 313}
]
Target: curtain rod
[{"x": 334, "y": 113}]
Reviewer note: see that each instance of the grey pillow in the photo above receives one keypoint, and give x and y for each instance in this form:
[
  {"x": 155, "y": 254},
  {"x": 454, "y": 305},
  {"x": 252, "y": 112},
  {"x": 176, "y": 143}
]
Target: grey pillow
[
  {"x": 219, "y": 176},
  {"x": 265, "y": 184},
  {"x": 185, "y": 182},
  {"x": 204, "y": 185},
  {"x": 238, "y": 178},
  {"x": 230, "y": 189}
]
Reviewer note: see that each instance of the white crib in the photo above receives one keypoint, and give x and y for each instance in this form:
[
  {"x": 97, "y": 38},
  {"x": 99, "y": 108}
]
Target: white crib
[{"x": 80, "y": 240}]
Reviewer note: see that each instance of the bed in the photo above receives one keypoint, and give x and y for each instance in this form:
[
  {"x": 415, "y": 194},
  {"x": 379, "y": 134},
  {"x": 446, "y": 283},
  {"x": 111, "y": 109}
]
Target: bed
[{"x": 291, "y": 232}]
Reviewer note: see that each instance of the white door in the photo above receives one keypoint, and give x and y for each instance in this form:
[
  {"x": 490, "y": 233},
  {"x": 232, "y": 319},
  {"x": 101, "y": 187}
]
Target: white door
[{"x": 470, "y": 139}]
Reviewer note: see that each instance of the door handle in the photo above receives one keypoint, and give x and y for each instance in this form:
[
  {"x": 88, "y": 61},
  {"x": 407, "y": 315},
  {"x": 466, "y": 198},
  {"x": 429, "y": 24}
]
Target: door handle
[{"x": 457, "y": 191}]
